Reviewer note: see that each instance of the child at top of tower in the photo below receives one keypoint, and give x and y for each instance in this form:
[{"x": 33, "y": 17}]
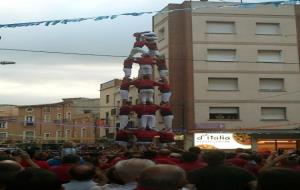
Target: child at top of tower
[{"x": 140, "y": 42}]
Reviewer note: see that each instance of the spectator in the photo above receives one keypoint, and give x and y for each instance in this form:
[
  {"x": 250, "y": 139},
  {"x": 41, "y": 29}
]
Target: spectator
[
  {"x": 217, "y": 176},
  {"x": 8, "y": 170},
  {"x": 190, "y": 162},
  {"x": 163, "y": 157},
  {"x": 36, "y": 179},
  {"x": 81, "y": 178},
  {"x": 278, "y": 179},
  {"x": 62, "y": 171},
  {"x": 162, "y": 177},
  {"x": 114, "y": 180},
  {"x": 129, "y": 171}
]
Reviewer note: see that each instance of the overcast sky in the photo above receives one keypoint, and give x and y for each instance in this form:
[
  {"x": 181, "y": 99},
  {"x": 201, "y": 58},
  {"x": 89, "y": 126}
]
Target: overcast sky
[{"x": 47, "y": 78}]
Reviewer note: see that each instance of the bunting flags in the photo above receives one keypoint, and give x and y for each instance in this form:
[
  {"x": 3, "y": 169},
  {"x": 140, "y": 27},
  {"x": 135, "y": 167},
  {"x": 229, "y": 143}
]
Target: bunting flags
[{"x": 99, "y": 18}]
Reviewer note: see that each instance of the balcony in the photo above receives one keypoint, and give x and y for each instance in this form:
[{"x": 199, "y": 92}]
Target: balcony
[{"x": 29, "y": 124}]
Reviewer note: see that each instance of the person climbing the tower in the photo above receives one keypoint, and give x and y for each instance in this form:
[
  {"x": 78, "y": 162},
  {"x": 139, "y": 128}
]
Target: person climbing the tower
[
  {"x": 124, "y": 89},
  {"x": 139, "y": 43},
  {"x": 162, "y": 66},
  {"x": 146, "y": 88},
  {"x": 150, "y": 43},
  {"x": 167, "y": 115},
  {"x": 146, "y": 63},
  {"x": 127, "y": 66},
  {"x": 125, "y": 110},
  {"x": 165, "y": 89},
  {"x": 148, "y": 118}
]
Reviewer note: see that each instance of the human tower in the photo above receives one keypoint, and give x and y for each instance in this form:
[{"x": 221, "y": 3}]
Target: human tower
[{"x": 145, "y": 53}]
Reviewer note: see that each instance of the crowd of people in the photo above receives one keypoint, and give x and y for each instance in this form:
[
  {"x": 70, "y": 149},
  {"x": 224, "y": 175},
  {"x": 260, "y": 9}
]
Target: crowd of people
[{"x": 148, "y": 168}]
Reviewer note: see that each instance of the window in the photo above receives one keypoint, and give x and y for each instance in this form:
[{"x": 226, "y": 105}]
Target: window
[
  {"x": 58, "y": 135},
  {"x": 68, "y": 116},
  {"x": 273, "y": 113},
  {"x": 28, "y": 135},
  {"x": 107, "y": 99},
  {"x": 268, "y": 28},
  {"x": 161, "y": 34},
  {"x": 224, "y": 113},
  {"x": 30, "y": 109},
  {"x": 47, "y": 117},
  {"x": 271, "y": 56},
  {"x": 113, "y": 112},
  {"x": 215, "y": 27},
  {"x": 3, "y": 124},
  {"x": 222, "y": 84},
  {"x": 58, "y": 116},
  {"x": 47, "y": 136},
  {"x": 29, "y": 121},
  {"x": 68, "y": 133},
  {"x": 46, "y": 109},
  {"x": 107, "y": 118},
  {"x": 3, "y": 136},
  {"x": 271, "y": 84},
  {"x": 221, "y": 55}
]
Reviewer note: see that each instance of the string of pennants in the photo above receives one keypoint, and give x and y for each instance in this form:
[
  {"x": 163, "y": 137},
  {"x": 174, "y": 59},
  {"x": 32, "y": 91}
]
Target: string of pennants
[{"x": 99, "y": 18}]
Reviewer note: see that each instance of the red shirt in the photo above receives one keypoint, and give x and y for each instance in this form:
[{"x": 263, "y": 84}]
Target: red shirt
[
  {"x": 236, "y": 162},
  {"x": 62, "y": 172},
  {"x": 125, "y": 110},
  {"x": 161, "y": 64},
  {"x": 146, "y": 60},
  {"x": 164, "y": 87},
  {"x": 128, "y": 63},
  {"x": 165, "y": 160},
  {"x": 144, "y": 84},
  {"x": 151, "y": 45},
  {"x": 124, "y": 85},
  {"x": 189, "y": 166},
  {"x": 165, "y": 110},
  {"x": 147, "y": 109},
  {"x": 40, "y": 163},
  {"x": 139, "y": 44}
]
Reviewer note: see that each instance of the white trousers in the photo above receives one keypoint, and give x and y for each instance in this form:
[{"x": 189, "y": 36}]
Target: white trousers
[
  {"x": 127, "y": 72},
  {"x": 165, "y": 97},
  {"x": 154, "y": 53},
  {"x": 136, "y": 50},
  {"x": 123, "y": 121},
  {"x": 163, "y": 73},
  {"x": 148, "y": 120},
  {"x": 124, "y": 94},
  {"x": 146, "y": 69},
  {"x": 168, "y": 121},
  {"x": 146, "y": 95}
]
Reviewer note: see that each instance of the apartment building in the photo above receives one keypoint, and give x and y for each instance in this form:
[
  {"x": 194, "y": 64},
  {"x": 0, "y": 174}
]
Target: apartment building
[
  {"x": 8, "y": 116},
  {"x": 233, "y": 70},
  {"x": 72, "y": 119}
]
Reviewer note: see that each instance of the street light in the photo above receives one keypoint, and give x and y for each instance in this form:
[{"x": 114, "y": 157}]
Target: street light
[{"x": 7, "y": 62}]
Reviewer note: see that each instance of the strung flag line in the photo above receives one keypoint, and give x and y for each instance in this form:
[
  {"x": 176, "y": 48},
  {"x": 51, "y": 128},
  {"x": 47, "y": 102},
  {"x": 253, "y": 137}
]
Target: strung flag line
[{"x": 111, "y": 17}]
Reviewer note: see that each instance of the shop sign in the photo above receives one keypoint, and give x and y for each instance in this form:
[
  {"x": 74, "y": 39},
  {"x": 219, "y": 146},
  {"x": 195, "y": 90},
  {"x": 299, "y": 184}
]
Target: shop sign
[{"x": 222, "y": 140}]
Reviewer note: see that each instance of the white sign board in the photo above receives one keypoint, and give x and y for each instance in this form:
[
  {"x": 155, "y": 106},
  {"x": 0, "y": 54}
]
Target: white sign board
[{"x": 221, "y": 141}]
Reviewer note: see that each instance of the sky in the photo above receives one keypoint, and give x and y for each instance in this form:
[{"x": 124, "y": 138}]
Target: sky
[{"x": 39, "y": 78}]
